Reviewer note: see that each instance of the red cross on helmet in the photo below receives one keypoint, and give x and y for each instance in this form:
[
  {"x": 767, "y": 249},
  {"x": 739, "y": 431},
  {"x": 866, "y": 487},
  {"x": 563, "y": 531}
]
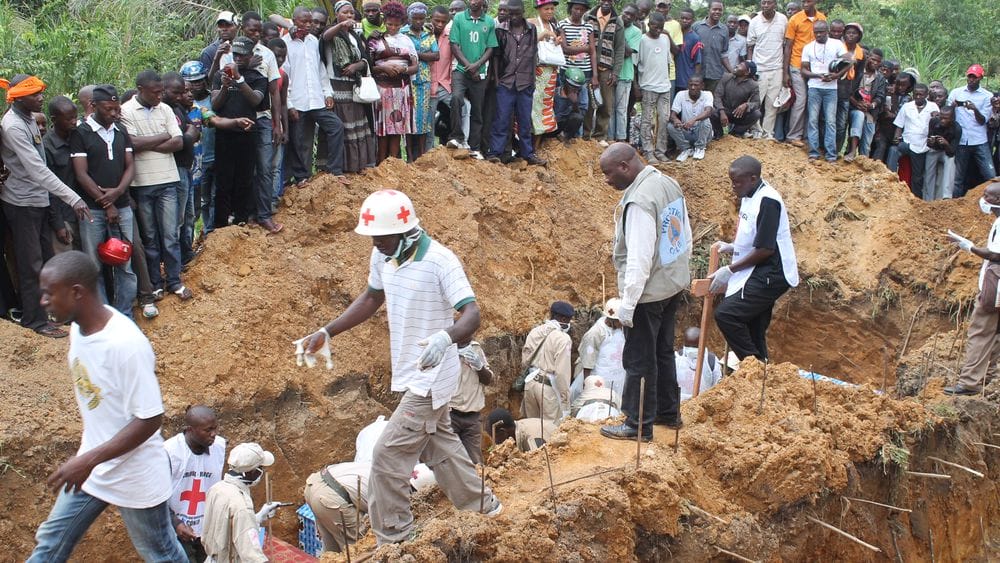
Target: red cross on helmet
[{"x": 386, "y": 212}]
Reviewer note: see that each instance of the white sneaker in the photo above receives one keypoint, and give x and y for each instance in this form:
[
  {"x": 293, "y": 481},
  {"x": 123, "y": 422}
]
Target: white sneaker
[
  {"x": 684, "y": 155},
  {"x": 603, "y": 144},
  {"x": 476, "y": 155},
  {"x": 699, "y": 154},
  {"x": 465, "y": 145},
  {"x": 497, "y": 508},
  {"x": 454, "y": 144},
  {"x": 149, "y": 310}
]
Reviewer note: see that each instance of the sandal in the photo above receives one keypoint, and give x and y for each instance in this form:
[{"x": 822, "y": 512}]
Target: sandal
[
  {"x": 183, "y": 292},
  {"x": 52, "y": 331},
  {"x": 343, "y": 180}
]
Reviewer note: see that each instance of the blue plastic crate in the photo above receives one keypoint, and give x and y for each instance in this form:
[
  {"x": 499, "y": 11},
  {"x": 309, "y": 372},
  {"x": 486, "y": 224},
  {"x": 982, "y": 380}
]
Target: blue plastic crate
[{"x": 309, "y": 540}]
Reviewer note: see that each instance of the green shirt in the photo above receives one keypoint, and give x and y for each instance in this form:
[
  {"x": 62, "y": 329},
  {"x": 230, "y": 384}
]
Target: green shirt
[
  {"x": 632, "y": 37},
  {"x": 473, "y": 36}
]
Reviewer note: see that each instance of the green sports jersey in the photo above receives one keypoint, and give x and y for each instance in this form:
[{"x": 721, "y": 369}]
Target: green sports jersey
[{"x": 473, "y": 36}]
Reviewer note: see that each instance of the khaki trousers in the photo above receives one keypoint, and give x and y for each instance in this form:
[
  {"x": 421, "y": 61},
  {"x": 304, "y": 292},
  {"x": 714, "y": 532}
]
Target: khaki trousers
[
  {"x": 982, "y": 349},
  {"x": 418, "y": 432},
  {"x": 768, "y": 87},
  {"x": 336, "y": 518},
  {"x": 540, "y": 401}
]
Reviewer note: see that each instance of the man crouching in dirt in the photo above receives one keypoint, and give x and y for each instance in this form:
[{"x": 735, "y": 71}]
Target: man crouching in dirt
[
  {"x": 982, "y": 348},
  {"x": 422, "y": 284}
]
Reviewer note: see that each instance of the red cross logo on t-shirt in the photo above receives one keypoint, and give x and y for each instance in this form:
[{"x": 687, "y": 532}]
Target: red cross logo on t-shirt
[
  {"x": 194, "y": 497},
  {"x": 367, "y": 216},
  {"x": 403, "y": 214}
]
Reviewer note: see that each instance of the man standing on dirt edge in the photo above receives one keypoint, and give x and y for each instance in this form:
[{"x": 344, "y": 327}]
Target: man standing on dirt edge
[
  {"x": 121, "y": 460},
  {"x": 422, "y": 284},
  {"x": 763, "y": 266},
  {"x": 981, "y": 350},
  {"x": 652, "y": 248}
]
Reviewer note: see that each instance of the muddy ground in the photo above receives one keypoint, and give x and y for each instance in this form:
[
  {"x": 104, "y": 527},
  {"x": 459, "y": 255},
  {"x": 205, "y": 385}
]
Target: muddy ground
[{"x": 881, "y": 290}]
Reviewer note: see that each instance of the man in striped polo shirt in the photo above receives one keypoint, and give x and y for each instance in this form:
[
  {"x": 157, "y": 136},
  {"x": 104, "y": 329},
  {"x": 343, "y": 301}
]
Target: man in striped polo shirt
[{"x": 422, "y": 284}]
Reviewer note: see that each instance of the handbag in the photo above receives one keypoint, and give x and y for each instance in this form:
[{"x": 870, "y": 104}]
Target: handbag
[
  {"x": 548, "y": 52},
  {"x": 518, "y": 384},
  {"x": 366, "y": 91}
]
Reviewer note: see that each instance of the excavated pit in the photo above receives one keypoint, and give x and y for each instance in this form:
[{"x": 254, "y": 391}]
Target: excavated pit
[{"x": 880, "y": 283}]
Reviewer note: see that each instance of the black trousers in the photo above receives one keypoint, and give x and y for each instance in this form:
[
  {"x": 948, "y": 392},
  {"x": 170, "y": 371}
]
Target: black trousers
[
  {"x": 463, "y": 87},
  {"x": 8, "y": 296},
  {"x": 235, "y": 155},
  {"x": 743, "y": 317},
  {"x": 32, "y": 237},
  {"x": 649, "y": 355},
  {"x": 469, "y": 427}
]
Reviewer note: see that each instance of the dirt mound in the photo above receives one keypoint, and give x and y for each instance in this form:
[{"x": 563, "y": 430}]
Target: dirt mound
[{"x": 869, "y": 253}]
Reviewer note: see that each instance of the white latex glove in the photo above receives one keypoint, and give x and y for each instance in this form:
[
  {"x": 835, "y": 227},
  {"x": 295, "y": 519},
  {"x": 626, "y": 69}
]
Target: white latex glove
[
  {"x": 309, "y": 360},
  {"x": 472, "y": 357},
  {"x": 625, "y": 315},
  {"x": 720, "y": 279},
  {"x": 435, "y": 346},
  {"x": 267, "y": 511},
  {"x": 724, "y": 247},
  {"x": 962, "y": 242}
]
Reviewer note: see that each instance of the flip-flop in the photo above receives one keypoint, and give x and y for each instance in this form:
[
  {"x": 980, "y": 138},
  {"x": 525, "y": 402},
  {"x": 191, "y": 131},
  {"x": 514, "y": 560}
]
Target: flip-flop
[
  {"x": 343, "y": 180},
  {"x": 52, "y": 332},
  {"x": 183, "y": 293}
]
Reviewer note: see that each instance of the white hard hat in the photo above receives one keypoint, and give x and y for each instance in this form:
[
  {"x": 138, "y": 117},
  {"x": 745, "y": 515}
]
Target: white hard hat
[
  {"x": 249, "y": 456},
  {"x": 611, "y": 308},
  {"x": 386, "y": 212}
]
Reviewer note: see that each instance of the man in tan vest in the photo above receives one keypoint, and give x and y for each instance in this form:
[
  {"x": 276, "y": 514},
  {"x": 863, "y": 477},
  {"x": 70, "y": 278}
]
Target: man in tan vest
[{"x": 547, "y": 351}]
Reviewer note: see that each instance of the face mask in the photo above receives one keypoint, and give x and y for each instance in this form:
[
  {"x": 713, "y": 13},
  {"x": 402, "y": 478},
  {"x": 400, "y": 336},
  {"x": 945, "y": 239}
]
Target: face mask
[
  {"x": 690, "y": 353},
  {"x": 260, "y": 475},
  {"x": 404, "y": 244},
  {"x": 564, "y": 327},
  {"x": 986, "y": 207}
]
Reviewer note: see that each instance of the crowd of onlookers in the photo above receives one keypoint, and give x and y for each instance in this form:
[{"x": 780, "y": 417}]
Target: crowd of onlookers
[{"x": 160, "y": 166}]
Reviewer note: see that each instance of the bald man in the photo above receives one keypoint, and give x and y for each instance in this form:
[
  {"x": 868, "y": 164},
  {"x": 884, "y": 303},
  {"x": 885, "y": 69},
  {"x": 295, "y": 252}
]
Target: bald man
[
  {"x": 197, "y": 456},
  {"x": 652, "y": 247},
  {"x": 121, "y": 460},
  {"x": 86, "y": 95},
  {"x": 763, "y": 267}
]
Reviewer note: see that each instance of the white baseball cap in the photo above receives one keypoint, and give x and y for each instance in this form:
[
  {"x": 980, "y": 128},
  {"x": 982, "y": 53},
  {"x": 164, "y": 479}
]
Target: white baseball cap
[
  {"x": 226, "y": 16},
  {"x": 249, "y": 456}
]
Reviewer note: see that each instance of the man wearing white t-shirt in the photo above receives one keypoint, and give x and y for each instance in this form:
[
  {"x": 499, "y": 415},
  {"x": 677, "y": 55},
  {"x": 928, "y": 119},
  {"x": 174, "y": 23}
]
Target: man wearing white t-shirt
[
  {"x": 822, "y": 88},
  {"x": 121, "y": 460},
  {"x": 197, "y": 456},
  {"x": 690, "y": 126},
  {"x": 912, "y": 123},
  {"x": 423, "y": 285}
]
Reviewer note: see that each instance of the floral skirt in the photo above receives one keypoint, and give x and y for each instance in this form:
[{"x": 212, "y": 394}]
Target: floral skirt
[
  {"x": 394, "y": 111},
  {"x": 423, "y": 113},
  {"x": 543, "y": 116}
]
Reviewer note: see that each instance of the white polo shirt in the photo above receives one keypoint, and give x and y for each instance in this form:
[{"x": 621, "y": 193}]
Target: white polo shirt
[
  {"x": 915, "y": 123},
  {"x": 687, "y": 108},
  {"x": 151, "y": 168},
  {"x": 819, "y": 56},
  {"x": 421, "y": 297}
]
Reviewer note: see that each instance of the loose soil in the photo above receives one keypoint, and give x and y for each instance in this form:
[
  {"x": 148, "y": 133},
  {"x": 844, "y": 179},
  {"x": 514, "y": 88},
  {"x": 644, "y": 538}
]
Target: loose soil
[{"x": 879, "y": 282}]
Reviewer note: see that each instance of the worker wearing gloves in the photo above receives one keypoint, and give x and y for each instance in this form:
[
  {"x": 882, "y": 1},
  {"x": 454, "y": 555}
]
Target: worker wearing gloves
[
  {"x": 470, "y": 398},
  {"x": 763, "y": 267},
  {"x": 547, "y": 350},
  {"x": 231, "y": 529},
  {"x": 982, "y": 349},
  {"x": 652, "y": 248},
  {"x": 423, "y": 285},
  {"x": 338, "y": 495}
]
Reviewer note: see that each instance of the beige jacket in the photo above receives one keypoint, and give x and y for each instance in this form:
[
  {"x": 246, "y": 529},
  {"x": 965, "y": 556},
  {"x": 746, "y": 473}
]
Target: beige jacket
[
  {"x": 531, "y": 434},
  {"x": 553, "y": 358},
  {"x": 230, "y": 533}
]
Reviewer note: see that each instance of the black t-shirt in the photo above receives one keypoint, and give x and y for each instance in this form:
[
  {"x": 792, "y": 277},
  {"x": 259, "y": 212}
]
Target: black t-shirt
[
  {"x": 236, "y": 104},
  {"x": 184, "y": 157},
  {"x": 952, "y": 134},
  {"x": 105, "y": 165},
  {"x": 768, "y": 219}
]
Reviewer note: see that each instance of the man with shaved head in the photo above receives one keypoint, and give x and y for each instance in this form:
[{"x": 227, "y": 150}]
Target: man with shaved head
[
  {"x": 197, "y": 457},
  {"x": 121, "y": 460},
  {"x": 763, "y": 265},
  {"x": 85, "y": 95},
  {"x": 652, "y": 247}
]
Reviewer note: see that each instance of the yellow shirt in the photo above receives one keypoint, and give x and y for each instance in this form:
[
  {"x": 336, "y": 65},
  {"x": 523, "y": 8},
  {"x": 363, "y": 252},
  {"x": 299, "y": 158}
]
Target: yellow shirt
[{"x": 673, "y": 29}]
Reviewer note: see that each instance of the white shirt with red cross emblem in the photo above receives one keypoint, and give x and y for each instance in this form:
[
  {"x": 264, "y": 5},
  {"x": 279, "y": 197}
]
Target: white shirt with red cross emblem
[
  {"x": 421, "y": 297},
  {"x": 191, "y": 476}
]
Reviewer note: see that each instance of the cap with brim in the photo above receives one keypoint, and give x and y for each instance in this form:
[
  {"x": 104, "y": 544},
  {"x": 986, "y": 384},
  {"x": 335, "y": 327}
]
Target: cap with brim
[
  {"x": 540, "y": 3},
  {"x": 784, "y": 94},
  {"x": 975, "y": 70},
  {"x": 226, "y": 17},
  {"x": 249, "y": 456},
  {"x": 583, "y": 3},
  {"x": 242, "y": 46},
  {"x": 663, "y": 3},
  {"x": 744, "y": 18},
  {"x": 104, "y": 93},
  {"x": 562, "y": 308},
  {"x": 856, "y": 25}
]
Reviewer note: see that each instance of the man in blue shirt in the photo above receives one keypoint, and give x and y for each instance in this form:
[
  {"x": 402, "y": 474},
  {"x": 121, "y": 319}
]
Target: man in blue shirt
[{"x": 972, "y": 111}]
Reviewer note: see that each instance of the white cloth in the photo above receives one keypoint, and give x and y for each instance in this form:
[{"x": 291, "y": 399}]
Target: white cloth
[
  {"x": 687, "y": 108},
  {"x": 973, "y": 132},
  {"x": 308, "y": 83},
  {"x": 421, "y": 297},
  {"x": 364, "y": 444},
  {"x": 268, "y": 67},
  {"x": 640, "y": 239},
  {"x": 192, "y": 475},
  {"x": 686, "y": 362},
  {"x": 768, "y": 41},
  {"x": 819, "y": 56},
  {"x": 609, "y": 360},
  {"x": 746, "y": 233},
  {"x": 114, "y": 383},
  {"x": 993, "y": 245},
  {"x": 915, "y": 123}
]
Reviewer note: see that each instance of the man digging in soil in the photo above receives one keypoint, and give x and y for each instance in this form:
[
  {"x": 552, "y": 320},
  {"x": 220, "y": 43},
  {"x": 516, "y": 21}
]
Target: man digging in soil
[
  {"x": 652, "y": 248},
  {"x": 422, "y": 284}
]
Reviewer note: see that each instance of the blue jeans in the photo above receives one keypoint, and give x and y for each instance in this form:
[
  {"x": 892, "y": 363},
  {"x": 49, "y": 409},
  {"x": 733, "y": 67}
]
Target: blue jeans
[
  {"x": 512, "y": 103},
  {"x": 278, "y": 181},
  {"x": 185, "y": 214},
  {"x": 823, "y": 101},
  {"x": 263, "y": 180},
  {"x": 862, "y": 129},
  {"x": 93, "y": 233},
  {"x": 618, "y": 125},
  {"x": 149, "y": 529},
  {"x": 157, "y": 207},
  {"x": 980, "y": 154},
  {"x": 207, "y": 198}
]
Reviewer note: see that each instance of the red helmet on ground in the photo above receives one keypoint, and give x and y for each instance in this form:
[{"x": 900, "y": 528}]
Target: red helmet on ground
[{"x": 115, "y": 251}]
